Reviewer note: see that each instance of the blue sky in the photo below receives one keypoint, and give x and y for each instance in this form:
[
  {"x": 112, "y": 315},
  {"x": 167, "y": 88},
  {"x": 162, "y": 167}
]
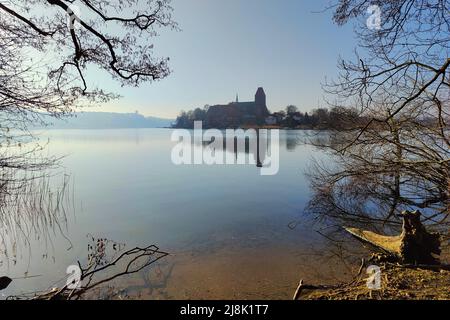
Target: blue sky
[{"x": 288, "y": 47}]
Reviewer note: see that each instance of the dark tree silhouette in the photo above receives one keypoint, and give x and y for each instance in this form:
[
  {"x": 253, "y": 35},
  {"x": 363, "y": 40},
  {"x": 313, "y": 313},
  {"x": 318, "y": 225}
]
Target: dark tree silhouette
[
  {"x": 405, "y": 63},
  {"x": 397, "y": 156},
  {"x": 47, "y": 47},
  {"x": 49, "y": 52}
]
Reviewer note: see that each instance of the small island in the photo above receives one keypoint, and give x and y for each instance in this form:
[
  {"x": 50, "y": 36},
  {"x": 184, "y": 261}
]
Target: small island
[{"x": 255, "y": 114}]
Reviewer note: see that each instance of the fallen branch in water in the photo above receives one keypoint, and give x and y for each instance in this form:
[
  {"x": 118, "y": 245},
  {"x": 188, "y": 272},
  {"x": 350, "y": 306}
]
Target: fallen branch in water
[
  {"x": 302, "y": 286},
  {"x": 298, "y": 290},
  {"x": 133, "y": 261}
]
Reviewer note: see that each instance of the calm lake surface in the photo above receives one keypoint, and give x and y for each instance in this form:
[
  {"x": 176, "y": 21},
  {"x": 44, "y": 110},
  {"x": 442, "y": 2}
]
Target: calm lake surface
[{"x": 229, "y": 230}]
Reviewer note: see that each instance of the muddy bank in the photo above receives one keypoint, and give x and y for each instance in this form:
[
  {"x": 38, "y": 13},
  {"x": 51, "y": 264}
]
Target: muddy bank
[
  {"x": 397, "y": 283},
  {"x": 409, "y": 266}
]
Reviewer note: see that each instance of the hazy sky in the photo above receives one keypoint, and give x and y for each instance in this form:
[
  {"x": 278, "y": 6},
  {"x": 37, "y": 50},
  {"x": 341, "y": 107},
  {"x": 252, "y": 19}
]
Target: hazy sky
[{"x": 234, "y": 46}]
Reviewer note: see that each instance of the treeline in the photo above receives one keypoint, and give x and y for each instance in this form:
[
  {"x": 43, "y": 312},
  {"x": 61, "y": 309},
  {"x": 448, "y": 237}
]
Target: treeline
[
  {"x": 319, "y": 118},
  {"x": 186, "y": 119},
  {"x": 290, "y": 118}
]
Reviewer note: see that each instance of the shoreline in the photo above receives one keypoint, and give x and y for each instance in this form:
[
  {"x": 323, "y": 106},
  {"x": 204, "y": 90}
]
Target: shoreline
[{"x": 398, "y": 282}]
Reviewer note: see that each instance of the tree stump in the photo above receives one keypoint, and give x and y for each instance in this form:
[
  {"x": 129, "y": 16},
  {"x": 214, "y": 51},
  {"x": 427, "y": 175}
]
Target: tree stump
[{"x": 415, "y": 245}]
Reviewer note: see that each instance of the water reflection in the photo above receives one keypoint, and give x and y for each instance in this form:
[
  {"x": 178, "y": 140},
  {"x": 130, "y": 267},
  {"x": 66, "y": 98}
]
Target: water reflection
[
  {"x": 130, "y": 191},
  {"x": 34, "y": 220},
  {"x": 32, "y": 208},
  {"x": 255, "y": 143}
]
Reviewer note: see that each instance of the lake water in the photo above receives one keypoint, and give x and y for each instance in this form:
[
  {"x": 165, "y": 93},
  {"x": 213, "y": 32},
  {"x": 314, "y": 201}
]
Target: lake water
[{"x": 228, "y": 229}]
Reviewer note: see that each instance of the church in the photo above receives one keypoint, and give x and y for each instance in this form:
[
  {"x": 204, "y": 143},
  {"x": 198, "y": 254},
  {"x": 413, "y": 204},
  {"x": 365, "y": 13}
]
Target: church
[{"x": 237, "y": 114}]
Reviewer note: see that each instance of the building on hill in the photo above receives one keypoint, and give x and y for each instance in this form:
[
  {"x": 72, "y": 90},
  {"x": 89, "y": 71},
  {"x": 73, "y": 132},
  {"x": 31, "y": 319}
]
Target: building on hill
[{"x": 236, "y": 114}]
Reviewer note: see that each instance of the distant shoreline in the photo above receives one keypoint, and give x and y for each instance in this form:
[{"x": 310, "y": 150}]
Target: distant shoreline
[
  {"x": 103, "y": 120},
  {"x": 268, "y": 127},
  {"x": 50, "y": 127}
]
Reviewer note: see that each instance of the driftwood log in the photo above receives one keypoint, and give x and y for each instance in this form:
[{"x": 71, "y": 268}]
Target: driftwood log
[{"x": 415, "y": 245}]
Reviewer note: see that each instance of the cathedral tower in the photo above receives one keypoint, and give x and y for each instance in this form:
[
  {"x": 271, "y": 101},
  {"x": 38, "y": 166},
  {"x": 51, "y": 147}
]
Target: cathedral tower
[{"x": 260, "y": 97}]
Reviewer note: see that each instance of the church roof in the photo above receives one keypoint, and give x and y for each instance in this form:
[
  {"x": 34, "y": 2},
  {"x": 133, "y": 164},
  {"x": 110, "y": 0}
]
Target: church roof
[
  {"x": 246, "y": 107},
  {"x": 237, "y": 113}
]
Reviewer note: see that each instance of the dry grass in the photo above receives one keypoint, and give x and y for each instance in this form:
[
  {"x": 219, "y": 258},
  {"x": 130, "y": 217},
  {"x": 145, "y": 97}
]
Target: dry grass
[{"x": 398, "y": 283}]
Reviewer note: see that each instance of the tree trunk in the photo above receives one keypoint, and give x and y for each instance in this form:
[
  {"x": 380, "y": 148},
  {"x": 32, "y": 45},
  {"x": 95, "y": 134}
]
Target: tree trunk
[{"x": 415, "y": 245}]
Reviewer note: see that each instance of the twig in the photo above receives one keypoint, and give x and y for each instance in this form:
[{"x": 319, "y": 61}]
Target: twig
[{"x": 298, "y": 291}]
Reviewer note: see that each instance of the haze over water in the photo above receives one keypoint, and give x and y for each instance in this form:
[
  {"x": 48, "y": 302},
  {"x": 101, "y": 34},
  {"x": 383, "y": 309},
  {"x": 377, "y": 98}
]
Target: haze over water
[{"x": 229, "y": 230}]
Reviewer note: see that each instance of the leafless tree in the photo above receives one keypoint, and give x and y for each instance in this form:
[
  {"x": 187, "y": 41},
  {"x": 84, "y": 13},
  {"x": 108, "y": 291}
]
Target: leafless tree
[
  {"x": 107, "y": 261},
  {"x": 46, "y": 48},
  {"x": 396, "y": 157},
  {"x": 406, "y": 61},
  {"x": 49, "y": 52}
]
